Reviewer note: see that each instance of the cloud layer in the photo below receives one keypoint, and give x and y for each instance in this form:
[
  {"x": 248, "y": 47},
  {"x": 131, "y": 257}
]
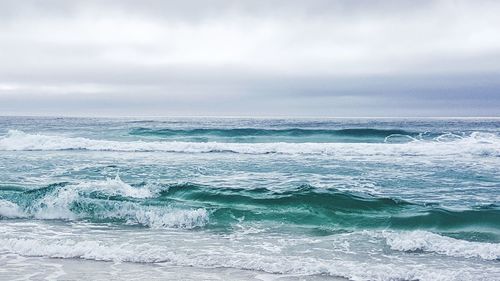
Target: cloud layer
[{"x": 328, "y": 58}]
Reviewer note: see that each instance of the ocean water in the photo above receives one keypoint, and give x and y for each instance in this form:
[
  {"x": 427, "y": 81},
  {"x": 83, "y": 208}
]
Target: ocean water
[{"x": 249, "y": 199}]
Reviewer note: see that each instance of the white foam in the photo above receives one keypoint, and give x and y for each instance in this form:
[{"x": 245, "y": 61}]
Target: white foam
[
  {"x": 10, "y": 210},
  {"x": 431, "y": 242},
  {"x": 91, "y": 250},
  {"x": 55, "y": 205},
  {"x": 58, "y": 203},
  {"x": 478, "y": 144},
  {"x": 277, "y": 264},
  {"x": 157, "y": 217},
  {"x": 365, "y": 259},
  {"x": 116, "y": 187},
  {"x": 172, "y": 218}
]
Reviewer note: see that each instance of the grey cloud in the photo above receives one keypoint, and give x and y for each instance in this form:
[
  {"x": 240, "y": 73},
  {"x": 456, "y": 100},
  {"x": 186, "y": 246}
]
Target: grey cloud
[{"x": 340, "y": 58}]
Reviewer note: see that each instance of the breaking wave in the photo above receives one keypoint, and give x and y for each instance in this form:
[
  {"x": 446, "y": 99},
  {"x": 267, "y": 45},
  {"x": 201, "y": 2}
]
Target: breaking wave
[
  {"x": 192, "y": 205},
  {"x": 414, "y": 241},
  {"x": 477, "y": 144},
  {"x": 140, "y": 252},
  {"x": 111, "y": 200}
]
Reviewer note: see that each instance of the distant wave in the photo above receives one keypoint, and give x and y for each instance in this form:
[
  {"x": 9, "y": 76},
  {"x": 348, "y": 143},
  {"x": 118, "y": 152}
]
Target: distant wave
[
  {"x": 477, "y": 143},
  {"x": 251, "y": 132},
  {"x": 191, "y": 205}
]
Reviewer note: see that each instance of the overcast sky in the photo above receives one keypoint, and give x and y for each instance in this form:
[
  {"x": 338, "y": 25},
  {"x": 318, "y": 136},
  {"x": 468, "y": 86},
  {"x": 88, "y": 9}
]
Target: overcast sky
[{"x": 250, "y": 58}]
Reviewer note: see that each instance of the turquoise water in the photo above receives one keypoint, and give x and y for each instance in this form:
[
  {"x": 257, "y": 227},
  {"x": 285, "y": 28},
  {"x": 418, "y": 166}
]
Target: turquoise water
[{"x": 362, "y": 199}]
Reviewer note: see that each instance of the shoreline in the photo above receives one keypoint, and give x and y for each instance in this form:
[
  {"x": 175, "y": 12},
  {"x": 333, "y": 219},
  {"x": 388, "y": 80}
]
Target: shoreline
[{"x": 14, "y": 266}]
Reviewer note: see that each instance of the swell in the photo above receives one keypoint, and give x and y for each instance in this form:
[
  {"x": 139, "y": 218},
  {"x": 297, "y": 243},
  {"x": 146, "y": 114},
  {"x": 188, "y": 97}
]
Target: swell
[
  {"x": 191, "y": 206},
  {"x": 253, "y": 132}
]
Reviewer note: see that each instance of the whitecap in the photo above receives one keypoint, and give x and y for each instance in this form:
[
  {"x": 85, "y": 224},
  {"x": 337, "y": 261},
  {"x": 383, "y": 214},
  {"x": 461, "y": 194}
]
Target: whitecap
[
  {"x": 10, "y": 210},
  {"x": 430, "y": 242},
  {"x": 275, "y": 264},
  {"x": 60, "y": 204},
  {"x": 476, "y": 144}
]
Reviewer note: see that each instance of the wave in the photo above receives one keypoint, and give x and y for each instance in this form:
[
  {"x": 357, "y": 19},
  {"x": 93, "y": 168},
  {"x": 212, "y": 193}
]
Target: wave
[
  {"x": 193, "y": 206},
  {"x": 111, "y": 200},
  {"x": 10, "y": 210},
  {"x": 227, "y": 257},
  {"x": 415, "y": 241},
  {"x": 253, "y": 132},
  {"x": 476, "y": 144},
  {"x": 312, "y": 206}
]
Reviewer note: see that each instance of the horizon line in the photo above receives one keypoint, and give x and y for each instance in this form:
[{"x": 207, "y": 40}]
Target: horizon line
[{"x": 255, "y": 117}]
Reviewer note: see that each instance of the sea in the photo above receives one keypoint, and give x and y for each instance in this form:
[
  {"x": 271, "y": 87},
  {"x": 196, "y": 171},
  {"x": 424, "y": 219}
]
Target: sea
[{"x": 206, "y": 198}]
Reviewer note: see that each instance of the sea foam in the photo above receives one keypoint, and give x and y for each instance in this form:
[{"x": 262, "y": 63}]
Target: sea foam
[
  {"x": 278, "y": 264},
  {"x": 430, "y": 242},
  {"x": 79, "y": 201},
  {"x": 476, "y": 144},
  {"x": 10, "y": 210}
]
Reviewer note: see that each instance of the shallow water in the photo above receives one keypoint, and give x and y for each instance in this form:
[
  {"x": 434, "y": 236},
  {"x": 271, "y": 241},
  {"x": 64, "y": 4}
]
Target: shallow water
[{"x": 250, "y": 199}]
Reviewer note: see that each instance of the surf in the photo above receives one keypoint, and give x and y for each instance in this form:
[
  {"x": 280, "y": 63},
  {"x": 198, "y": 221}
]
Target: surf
[
  {"x": 475, "y": 144},
  {"x": 191, "y": 205}
]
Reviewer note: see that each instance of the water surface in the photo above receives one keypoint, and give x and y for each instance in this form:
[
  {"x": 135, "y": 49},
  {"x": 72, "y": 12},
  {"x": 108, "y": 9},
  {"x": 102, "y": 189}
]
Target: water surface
[{"x": 232, "y": 198}]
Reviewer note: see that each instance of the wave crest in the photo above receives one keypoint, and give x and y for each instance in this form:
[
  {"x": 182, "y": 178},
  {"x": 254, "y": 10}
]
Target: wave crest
[
  {"x": 477, "y": 144},
  {"x": 431, "y": 242},
  {"x": 10, "y": 210},
  {"x": 109, "y": 200},
  {"x": 191, "y": 206}
]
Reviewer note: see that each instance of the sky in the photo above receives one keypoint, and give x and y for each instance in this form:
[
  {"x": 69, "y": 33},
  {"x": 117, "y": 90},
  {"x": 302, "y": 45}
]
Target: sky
[{"x": 250, "y": 58}]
